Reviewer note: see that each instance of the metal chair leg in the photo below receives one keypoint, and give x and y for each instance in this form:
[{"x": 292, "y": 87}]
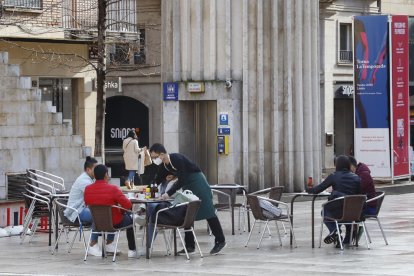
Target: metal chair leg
[
  {"x": 250, "y": 234},
  {"x": 382, "y": 231},
  {"x": 116, "y": 245},
  {"x": 87, "y": 248},
  {"x": 320, "y": 234},
  {"x": 182, "y": 241},
  {"x": 56, "y": 242},
  {"x": 339, "y": 235},
  {"x": 196, "y": 241},
  {"x": 261, "y": 237},
  {"x": 278, "y": 234},
  {"x": 366, "y": 237},
  {"x": 73, "y": 240}
]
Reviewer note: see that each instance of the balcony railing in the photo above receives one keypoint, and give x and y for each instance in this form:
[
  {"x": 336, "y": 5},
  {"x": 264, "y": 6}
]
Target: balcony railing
[
  {"x": 83, "y": 14},
  {"x": 345, "y": 56}
]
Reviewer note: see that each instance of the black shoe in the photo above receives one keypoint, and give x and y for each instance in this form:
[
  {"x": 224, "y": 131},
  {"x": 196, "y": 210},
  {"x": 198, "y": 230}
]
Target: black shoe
[
  {"x": 217, "y": 248},
  {"x": 332, "y": 237},
  {"x": 190, "y": 251}
]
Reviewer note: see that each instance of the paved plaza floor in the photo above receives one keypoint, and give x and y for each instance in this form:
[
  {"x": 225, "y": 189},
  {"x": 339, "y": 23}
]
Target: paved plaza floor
[{"x": 397, "y": 258}]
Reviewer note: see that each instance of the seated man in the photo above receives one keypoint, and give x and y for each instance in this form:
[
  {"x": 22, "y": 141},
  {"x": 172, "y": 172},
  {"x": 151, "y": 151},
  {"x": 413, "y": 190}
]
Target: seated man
[
  {"x": 103, "y": 193},
  {"x": 76, "y": 201}
]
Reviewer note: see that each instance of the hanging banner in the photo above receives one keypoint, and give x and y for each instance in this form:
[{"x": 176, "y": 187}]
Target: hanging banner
[
  {"x": 371, "y": 93},
  {"x": 400, "y": 95}
]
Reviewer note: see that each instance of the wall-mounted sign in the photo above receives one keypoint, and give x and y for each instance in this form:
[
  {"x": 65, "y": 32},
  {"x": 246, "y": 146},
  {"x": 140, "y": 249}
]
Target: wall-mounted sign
[
  {"x": 93, "y": 51},
  {"x": 112, "y": 84},
  {"x": 223, "y": 131},
  {"x": 170, "y": 91},
  {"x": 195, "y": 87},
  {"x": 344, "y": 91},
  {"x": 224, "y": 119}
]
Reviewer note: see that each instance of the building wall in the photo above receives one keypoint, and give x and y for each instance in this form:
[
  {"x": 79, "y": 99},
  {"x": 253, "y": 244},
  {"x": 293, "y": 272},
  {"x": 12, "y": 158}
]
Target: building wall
[
  {"x": 260, "y": 46},
  {"x": 397, "y": 7},
  {"x": 332, "y": 71}
]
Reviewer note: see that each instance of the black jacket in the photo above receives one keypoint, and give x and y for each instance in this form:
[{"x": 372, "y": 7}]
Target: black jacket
[
  {"x": 181, "y": 166},
  {"x": 343, "y": 183}
]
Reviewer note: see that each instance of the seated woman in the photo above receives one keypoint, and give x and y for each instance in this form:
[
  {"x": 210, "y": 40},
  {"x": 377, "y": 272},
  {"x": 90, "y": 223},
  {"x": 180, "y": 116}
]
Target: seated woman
[{"x": 343, "y": 182}]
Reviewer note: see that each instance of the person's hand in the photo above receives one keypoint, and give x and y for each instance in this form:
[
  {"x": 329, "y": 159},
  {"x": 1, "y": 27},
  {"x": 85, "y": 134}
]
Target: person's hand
[{"x": 165, "y": 196}]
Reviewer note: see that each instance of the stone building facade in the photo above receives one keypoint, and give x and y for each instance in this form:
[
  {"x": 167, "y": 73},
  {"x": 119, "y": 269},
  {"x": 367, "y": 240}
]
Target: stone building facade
[{"x": 269, "y": 50}]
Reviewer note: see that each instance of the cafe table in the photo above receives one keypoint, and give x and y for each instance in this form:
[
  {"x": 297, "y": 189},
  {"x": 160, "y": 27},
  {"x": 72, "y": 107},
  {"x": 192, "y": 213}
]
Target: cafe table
[
  {"x": 314, "y": 197},
  {"x": 147, "y": 201},
  {"x": 233, "y": 189}
]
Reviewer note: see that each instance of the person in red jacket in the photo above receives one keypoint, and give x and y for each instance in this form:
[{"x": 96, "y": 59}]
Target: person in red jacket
[
  {"x": 367, "y": 183},
  {"x": 103, "y": 193}
]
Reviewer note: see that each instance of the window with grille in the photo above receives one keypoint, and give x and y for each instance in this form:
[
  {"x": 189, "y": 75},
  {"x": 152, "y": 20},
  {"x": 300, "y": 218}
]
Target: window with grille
[
  {"x": 26, "y": 4},
  {"x": 345, "y": 43}
]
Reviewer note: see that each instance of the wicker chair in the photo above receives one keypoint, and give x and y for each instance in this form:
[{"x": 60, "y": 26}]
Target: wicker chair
[
  {"x": 186, "y": 226},
  {"x": 274, "y": 193},
  {"x": 379, "y": 198},
  {"x": 352, "y": 206},
  {"x": 67, "y": 225},
  {"x": 102, "y": 219},
  {"x": 258, "y": 215}
]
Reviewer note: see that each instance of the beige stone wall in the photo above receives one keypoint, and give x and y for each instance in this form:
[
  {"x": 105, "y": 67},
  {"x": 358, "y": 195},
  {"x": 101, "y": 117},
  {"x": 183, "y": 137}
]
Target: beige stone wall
[{"x": 398, "y": 7}]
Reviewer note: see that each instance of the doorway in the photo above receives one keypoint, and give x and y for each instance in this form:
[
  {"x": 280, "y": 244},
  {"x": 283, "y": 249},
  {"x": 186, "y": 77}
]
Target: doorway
[
  {"x": 123, "y": 114},
  {"x": 344, "y": 126},
  {"x": 198, "y": 135}
]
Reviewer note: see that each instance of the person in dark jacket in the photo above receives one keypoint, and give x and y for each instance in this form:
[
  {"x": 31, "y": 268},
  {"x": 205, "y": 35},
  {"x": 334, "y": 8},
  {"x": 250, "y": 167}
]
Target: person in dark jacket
[
  {"x": 343, "y": 182},
  {"x": 367, "y": 183},
  {"x": 190, "y": 178}
]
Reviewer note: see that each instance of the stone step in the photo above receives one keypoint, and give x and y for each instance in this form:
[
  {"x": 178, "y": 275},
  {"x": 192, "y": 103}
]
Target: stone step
[
  {"x": 24, "y": 119},
  {"x": 31, "y": 107},
  {"x": 35, "y": 130},
  {"x": 4, "y": 57},
  {"x": 18, "y": 94},
  {"x": 61, "y": 161},
  {"x": 16, "y": 82},
  {"x": 9, "y": 70},
  {"x": 41, "y": 142}
]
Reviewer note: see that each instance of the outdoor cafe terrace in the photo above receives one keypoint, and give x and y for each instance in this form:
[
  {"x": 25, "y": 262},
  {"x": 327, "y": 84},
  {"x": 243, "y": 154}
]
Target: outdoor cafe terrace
[{"x": 397, "y": 218}]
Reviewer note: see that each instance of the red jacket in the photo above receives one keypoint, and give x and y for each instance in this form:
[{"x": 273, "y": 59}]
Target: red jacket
[
  {"x": 367, "y": 183},
  {"x": 103, "y": 193}
]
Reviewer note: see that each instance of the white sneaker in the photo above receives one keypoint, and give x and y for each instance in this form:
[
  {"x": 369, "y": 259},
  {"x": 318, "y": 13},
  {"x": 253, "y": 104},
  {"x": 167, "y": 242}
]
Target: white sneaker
[
  {"x": 132, "y": 253},
  {"x": 110, "y": 248},
  {"x": 95, "y": 250}
]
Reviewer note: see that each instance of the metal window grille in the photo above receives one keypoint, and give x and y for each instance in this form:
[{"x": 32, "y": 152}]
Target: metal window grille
[{"x": 27, "y": 4}]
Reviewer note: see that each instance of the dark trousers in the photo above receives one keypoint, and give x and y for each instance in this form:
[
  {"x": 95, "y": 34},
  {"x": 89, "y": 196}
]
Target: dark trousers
[
  {"x": 216, "y": 229},
  {"x": 126, "y": 221}
]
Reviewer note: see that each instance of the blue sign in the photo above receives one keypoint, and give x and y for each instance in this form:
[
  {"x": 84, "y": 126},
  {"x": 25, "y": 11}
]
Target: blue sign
[
  {"x": 170, "y": 91},
  {"x": 224, "y": 131},
  {"x": 224, "y": 119}
]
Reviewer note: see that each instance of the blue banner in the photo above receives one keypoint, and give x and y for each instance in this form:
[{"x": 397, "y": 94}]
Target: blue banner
[{"x": 371, "y": 67}]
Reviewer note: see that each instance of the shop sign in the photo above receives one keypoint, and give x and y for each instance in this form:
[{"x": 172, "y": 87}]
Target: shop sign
[
  {"x": 344, "y": 91},
  {"x": 195, "y": 87}
]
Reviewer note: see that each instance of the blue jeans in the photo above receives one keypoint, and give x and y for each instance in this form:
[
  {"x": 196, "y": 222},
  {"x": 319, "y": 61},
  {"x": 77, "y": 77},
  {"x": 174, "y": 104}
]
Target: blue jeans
[
  {"x": 131, "y": 176},
  {"x": 86, "y": 217}
]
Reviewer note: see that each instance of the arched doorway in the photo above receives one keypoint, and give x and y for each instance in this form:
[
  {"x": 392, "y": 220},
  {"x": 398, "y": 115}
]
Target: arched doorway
[{"x": 123, "y": 114}]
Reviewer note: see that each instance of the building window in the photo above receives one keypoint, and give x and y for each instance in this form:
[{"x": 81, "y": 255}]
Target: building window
[
  {"x": 119, "y": 54},
  {"x": 345, "y": 43},
  {"x": 128, "y": 53},
  {"x": 59, "y": 92},
  {"x": 140, "y": 56},
  {"x": 24, "y": 4}
]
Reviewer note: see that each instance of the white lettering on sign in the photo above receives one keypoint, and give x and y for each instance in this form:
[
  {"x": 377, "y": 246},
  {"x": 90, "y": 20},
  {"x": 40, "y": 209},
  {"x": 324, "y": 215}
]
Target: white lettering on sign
[
  {"x": 120, "y": 133},
  {"x": 347, "y": 90},
  {"x": 111, "y": 84}
]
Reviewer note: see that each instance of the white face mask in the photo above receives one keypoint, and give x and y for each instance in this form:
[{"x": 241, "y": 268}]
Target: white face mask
[{"x": 157, "y": 161}]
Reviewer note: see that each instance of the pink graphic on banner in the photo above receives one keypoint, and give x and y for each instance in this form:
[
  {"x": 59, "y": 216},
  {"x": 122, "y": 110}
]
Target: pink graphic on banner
[{"x": 400, "y": 95}]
